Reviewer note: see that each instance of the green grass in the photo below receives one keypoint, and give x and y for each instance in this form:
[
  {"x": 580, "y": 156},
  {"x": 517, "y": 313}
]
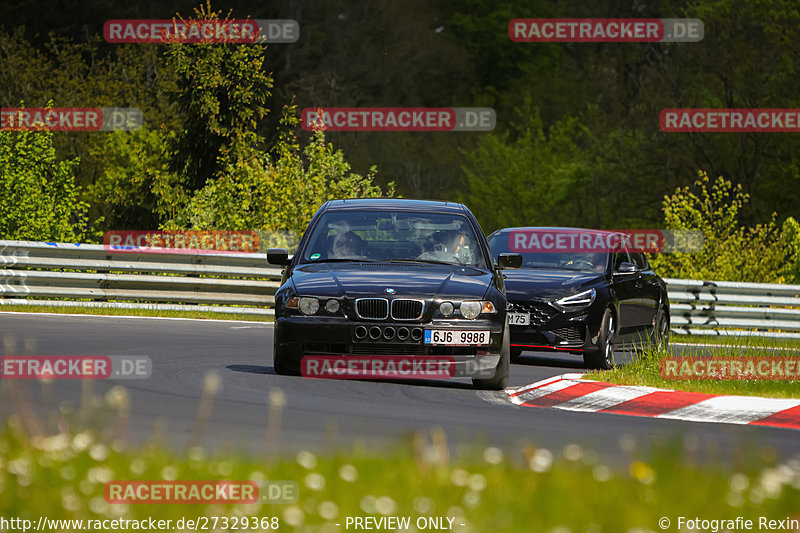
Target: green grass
[
  {"x": 78, "y": 310},
  {"x": 645, "y": 370},
  {"x": 61, "y": 475},
  {"x": 747, "y": 341}
]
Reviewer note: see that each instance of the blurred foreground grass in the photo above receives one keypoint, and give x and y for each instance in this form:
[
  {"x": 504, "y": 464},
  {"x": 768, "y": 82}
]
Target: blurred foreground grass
[{"x": 61, "y": 473}]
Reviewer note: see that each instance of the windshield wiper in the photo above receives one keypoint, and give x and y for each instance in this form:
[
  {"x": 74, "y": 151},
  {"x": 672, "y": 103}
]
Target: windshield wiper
[
  {"x": 338, "y": 260},
  {"x": 430, "y": 261}
]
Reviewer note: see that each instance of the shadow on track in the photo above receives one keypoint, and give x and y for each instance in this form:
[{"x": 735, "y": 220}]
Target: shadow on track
[
  {"x": 553, "y": 360},
  {"x": 548, "y": 360},
  {"x": 257, "y": 369}
]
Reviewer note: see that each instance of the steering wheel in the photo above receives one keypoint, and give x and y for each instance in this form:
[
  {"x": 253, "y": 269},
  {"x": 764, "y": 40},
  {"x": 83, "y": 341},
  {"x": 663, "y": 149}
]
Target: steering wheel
[{"x": 579, "y": 263}]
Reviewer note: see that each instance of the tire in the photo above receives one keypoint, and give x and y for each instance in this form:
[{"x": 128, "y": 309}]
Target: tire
[
  {"x": 516, "y": 355},
  {"x": 282, "y": 362},
  {"x": 660, "y": 336},
  {"x": 603, "y": 358},
  {"x": 500, "y": 379}
]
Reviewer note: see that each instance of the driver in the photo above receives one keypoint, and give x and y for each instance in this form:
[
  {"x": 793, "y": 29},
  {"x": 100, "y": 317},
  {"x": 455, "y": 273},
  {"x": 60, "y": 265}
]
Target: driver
[
  {"x": 450, "y": 243},
  {"x": 347, "y": 245},
  {"x": 583, "y": 261}
]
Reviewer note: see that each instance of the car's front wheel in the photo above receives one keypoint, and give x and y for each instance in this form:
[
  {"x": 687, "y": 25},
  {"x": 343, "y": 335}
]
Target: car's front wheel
[
  {"x": 500, "y": 379},
  {"x": 282, "y": 361},
  {"x": 516, "y": 355},
  {"x": 603, "y": 358}
]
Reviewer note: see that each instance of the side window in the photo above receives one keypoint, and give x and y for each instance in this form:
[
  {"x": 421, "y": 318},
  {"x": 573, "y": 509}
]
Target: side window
[
  {"x": 640, "y": 260},
  {"x": 619, "y": 258}
]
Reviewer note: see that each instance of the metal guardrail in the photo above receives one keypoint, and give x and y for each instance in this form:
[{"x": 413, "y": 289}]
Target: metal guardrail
[
  {"x": 63, "y": 274},
  {"x": 727, "y": 308},
  {"x": 89, "y": 275}
]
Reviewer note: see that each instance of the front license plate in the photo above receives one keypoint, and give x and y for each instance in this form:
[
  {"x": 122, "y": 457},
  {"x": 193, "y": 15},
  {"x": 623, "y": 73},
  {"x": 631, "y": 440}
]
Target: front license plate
[
  {"x": 457, "y": 337},
  {"x": 519, "y": 319}
]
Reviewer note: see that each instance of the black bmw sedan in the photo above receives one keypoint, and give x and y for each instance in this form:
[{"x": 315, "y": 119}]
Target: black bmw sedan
[
  {"x": 581, "y": 291},
  {"x": 393, "y": 288}
]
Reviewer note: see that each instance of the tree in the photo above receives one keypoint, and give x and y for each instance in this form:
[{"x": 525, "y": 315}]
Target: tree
[
  {"x": 278, "y": 193},
  {"x": 527, "y": 180},
  {"x": 222, "y": 92}
]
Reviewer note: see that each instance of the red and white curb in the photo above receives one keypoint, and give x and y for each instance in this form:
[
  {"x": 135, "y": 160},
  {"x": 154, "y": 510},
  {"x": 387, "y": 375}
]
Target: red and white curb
[{"x": 573, "y": 393}]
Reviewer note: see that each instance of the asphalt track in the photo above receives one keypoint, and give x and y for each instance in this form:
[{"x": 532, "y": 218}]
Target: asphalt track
[{"x": 319, "y": 414}]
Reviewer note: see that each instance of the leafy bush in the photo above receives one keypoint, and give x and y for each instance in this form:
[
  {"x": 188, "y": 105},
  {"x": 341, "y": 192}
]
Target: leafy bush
[
  {"x": 731, "y": 252},
  {"x": 39, "y": 200}
]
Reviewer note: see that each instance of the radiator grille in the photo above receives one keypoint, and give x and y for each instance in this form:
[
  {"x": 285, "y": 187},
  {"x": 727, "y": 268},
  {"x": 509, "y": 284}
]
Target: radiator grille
[
  {"x": 540, "y": 312},
  {"x": 407, "y": 309},
  {"x": 372, "y": 308}
]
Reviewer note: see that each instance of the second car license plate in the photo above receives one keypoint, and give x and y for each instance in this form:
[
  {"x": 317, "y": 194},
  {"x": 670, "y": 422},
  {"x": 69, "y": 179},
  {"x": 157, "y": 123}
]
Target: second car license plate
[
  {"x": 519, "y": 319},
  {"x": 457, "y": 337}
]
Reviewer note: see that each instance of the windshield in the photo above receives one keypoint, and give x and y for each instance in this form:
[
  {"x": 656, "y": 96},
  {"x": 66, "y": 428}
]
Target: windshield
[
  {"x": 393, "y": 236},
  {"x": 571, "y": 260}
]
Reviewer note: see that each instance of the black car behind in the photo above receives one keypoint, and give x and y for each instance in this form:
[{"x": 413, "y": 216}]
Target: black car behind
[
  {"x": 389, "y": 277},
  {"x": 581, "y": 299}
]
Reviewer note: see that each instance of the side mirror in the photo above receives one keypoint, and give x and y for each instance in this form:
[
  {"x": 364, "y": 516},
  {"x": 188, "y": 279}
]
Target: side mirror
[
  {"x": 509, "y": 261},
  {"x": 626, "y": 268},
  {"x": 278, "y": 256}
]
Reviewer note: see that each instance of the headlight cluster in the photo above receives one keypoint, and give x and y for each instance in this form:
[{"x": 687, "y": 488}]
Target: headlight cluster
[
  {"x": 577, "y": 301},
  {"x": 310, "y": 306},
  {"x": 470, "y": 309}
]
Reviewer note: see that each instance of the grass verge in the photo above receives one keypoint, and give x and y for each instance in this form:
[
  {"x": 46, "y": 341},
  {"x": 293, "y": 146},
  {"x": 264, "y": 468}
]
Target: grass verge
[
  {"x": 645, "y": 370},
  {"x": 746, "y": 341},
  {"x": 79, "y": 310}
]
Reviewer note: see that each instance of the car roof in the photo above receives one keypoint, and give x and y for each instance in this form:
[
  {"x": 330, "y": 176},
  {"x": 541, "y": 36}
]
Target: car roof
[
  {"x": 394, "y": 203},
  {"x": 557, "y": 228}
]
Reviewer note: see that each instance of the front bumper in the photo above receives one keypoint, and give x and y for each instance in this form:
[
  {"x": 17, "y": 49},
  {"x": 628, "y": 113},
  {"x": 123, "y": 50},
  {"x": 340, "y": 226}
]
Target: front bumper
[
  {"x": 552, "y": 329},
  {"x": 301, "y": 337}
]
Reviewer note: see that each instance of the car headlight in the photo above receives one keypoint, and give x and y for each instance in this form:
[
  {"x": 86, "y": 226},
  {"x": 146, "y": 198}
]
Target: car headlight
[
  {"x": 576, "y": 301},
  {"x": 332, "y": 306},
  {"x": 472, "y": 309},
  {"x": 308, "y": 306},
  {"x": 446, "y": 308}
]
